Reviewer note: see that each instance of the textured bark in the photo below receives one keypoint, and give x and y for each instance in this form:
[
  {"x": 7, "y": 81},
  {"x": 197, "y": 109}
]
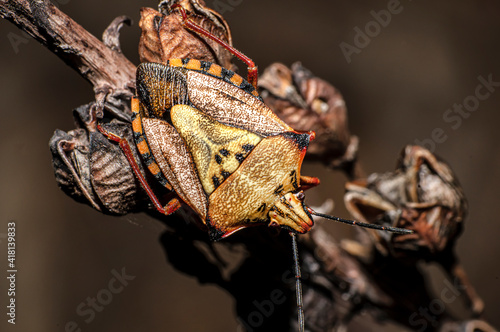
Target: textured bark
[{"x": 111, "y": 74}]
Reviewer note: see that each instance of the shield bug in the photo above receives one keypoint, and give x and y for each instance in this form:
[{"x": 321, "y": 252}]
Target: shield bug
[{"x": 204, "y": 132}]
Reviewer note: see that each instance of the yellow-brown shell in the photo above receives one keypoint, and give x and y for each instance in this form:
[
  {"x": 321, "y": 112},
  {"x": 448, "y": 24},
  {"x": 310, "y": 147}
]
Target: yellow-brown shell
[{"x": 205, "y": 132}]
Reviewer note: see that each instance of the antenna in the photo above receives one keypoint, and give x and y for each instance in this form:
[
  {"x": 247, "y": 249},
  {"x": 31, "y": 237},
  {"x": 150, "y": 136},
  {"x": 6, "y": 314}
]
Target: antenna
[
  {"x": 298, "y": 282},
  {"x": 362, "y": 224}
]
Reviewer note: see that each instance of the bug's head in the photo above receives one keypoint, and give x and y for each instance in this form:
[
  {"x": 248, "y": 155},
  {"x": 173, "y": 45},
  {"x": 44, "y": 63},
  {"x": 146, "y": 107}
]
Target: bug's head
[{"x": 290, "y": 213}]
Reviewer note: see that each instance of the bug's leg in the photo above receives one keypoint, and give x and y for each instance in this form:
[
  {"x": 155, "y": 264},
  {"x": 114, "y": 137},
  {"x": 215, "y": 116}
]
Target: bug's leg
[
  {"x": 172, "y": 205},
  {"x": 308, "y": 182},
  {"x": 253, "y": 72}
]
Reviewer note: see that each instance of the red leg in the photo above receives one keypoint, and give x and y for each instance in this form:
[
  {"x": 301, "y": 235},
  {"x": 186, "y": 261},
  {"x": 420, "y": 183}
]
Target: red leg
[
  {"x": 172, "y": 205},
  {"x": 308, "y": 182},
  {"x": 252, "y": 68}
]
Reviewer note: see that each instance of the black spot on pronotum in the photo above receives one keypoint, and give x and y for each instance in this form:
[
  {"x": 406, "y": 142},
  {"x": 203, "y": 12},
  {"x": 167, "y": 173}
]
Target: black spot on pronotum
[
  {"x": 225, "y": 174},
  {"x": 239, "y": 157},
  {"x": 248, "y": 147},
  {"x": 218, "y": 159},
  {"x": 216, "y": 181},
  {"x": 224, "y": 152}
]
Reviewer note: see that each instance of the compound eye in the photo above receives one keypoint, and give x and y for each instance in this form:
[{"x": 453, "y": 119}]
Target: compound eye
[{"x": 300, "y": 195}]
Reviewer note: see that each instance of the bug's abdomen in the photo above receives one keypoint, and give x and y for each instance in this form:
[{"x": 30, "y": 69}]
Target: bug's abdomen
[{"x": 143, "y": 146}]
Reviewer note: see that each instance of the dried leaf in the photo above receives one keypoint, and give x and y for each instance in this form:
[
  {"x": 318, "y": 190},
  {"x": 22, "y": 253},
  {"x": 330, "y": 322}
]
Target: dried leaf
[
  {"x": 164, "y": 36},
  {"x": 306, "y": 102},
  {"x": 92, "y": 169},
  {"x": 422, "y": 194}
]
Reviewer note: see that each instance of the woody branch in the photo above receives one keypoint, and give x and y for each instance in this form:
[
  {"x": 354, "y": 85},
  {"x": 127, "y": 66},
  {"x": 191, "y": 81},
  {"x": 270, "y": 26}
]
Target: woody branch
[{"x": 100, "y": 63}]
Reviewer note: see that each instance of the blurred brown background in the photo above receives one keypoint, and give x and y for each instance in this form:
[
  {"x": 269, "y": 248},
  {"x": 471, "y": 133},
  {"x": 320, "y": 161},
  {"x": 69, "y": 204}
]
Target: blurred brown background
[{"x": 397, "y": 89}]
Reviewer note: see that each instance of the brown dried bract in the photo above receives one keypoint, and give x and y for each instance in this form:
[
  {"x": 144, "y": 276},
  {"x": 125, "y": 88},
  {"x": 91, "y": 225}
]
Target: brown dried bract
[
  {"x": 165, "y": 37},
  {"x": 306, "y": 102},
  {"x": 92, "y": 169},
  {"x": 422, "y": 194}
]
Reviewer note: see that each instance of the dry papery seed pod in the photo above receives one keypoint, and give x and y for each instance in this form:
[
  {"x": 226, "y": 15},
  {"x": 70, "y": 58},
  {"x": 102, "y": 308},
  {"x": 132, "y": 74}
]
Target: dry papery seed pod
[
  {"x": 307, "y": 102},
  {"x": 423, "y": 195},
  {"x": 91, "y": 169}
]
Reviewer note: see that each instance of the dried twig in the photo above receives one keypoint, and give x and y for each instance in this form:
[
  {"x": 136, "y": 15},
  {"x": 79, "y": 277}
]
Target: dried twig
[{"x": 105, "y": 67}]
